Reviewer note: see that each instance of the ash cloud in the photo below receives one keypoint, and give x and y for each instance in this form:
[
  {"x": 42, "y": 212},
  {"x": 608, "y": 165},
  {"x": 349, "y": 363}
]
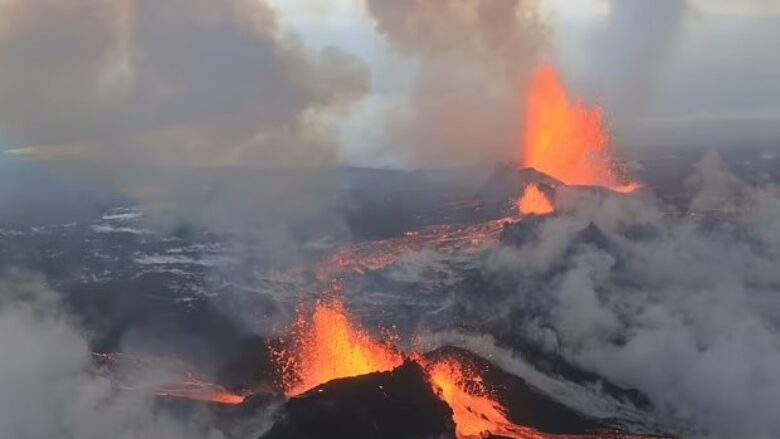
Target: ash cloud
[
  {"x": 157, "y": 98},
  {"x": 48, "y": 386},
  {"x": 472, "y": 61},
  {"x": 684, "y": 309}
]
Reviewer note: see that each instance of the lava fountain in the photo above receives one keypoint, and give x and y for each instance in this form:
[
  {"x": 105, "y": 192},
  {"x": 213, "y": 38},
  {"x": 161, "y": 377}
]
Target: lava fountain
[
  {"x": 567, "y": 139},
  {"x": 328, "y": 345}
]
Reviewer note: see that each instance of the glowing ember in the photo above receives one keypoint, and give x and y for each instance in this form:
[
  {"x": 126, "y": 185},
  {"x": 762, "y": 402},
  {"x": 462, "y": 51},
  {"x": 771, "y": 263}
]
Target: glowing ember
[
  {"x": 327, "y": 346},
  {"x": 534, "y": 202},
  {"x": 566, "y": 139},
  {"x": 475, "y": 411}
]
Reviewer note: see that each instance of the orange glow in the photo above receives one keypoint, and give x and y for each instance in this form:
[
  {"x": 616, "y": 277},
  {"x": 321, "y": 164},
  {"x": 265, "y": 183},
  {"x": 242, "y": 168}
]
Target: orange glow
[
  {"x": 200, "y": 391},
  {"x": 375, "y": 255},
  {"x": 182, "y": 383},
  {"x": 566, "y": 139},
  {"x": 534, "y": 202},
  {"x": 327, "y": 346},
  {"x": 475, "y": 411}
]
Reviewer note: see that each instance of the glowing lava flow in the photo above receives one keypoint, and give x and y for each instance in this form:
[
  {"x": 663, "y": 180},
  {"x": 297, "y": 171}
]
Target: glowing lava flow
[
  {"x": 475, "y": 412},
  {"x": 197, "y": 390},
  {"x": 327, "y": 346},
  {"x": 180, "y": 382},
  {"x": 375, "y": 255},
  {"x": 534, "y": 202},
  {"x": 565, "y": 139}
]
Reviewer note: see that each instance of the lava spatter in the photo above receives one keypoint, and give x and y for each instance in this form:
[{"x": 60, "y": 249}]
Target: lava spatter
[{"x": 325, "y": 345}]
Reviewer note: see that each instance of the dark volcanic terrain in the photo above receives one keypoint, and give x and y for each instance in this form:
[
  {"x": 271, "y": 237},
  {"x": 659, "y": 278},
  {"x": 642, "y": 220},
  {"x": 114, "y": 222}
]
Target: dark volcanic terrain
[{"x": 213, "y": 300}]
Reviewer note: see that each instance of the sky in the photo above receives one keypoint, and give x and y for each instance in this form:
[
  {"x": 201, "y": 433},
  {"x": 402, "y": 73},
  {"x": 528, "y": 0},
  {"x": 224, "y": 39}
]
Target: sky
[
  {"x": 402, "y": 83},
  {"x": 714, "y": 85}
]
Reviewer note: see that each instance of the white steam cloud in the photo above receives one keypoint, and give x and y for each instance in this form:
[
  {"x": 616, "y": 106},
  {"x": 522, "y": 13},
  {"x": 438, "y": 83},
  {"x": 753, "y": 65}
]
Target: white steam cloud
[
  {"x": 633, "y": 46},
  {"x": 183, "y": 104},
  {"x": 48, "y": 386},
  {"x": 472, "y": 61},
  {"x": 685, "y": 310}
]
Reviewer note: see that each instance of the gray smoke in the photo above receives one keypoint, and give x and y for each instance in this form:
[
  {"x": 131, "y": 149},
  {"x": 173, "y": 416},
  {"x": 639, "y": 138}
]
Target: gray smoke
[
  {"x": 48, "y": 386},
  {"x": 622, "y": 62},
  {"x": 684, "y": 309},
  {"x": 633, "y": 46},
  {"x": 472, "y": 62},
  {"x": 183, "y": 104}
]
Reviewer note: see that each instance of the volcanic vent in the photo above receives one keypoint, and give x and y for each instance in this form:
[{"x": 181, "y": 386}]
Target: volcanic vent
[{"x": 344, "y": 383}]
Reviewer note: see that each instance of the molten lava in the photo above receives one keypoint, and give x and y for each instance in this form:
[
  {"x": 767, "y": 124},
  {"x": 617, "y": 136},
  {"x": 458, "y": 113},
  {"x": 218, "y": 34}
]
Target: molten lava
[
  {"x": 327, "y": 345},
  {"x": 566, "y": 139},
  {"x": 180, "y": 382},
  {"x": 375, "y": 255},
  {"x": 197, "y": 390},
  {"x": 475, "y": 411},
  {"x": 534, "y": 202}
]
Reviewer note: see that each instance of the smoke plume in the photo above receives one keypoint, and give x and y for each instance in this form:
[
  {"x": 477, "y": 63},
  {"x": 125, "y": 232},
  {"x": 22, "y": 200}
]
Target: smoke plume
[
  {"x": 683, "y": 310},
  {"x": 140, "y": 93},
  {"x": 630, "y": 50},
  {"x": 472, "y": 60}
]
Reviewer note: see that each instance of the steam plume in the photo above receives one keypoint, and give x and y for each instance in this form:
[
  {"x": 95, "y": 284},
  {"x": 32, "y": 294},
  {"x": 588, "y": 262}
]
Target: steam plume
[
  {"x": 683, "y": 311},
  {"x": 48, "y": 387},
  {"x": 472, "y": 61},
  {"x": 631, "y": 49},
  {"x": 137, "y": 91}
]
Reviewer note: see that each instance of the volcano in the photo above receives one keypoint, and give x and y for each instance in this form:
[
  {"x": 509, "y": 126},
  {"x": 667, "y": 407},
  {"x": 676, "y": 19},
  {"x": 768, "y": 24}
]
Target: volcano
[
  {"x": 396, "y": 404},
  {"x": 343, "y": 381},
  {"x": 402, "y": 404},
  {"x": 509, "y": 180}
]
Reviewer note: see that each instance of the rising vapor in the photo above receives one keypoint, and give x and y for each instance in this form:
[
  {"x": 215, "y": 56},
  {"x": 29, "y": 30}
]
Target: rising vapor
[
  {"x": 49, "y": 386},
  {"x": 138, "y": 93},
  {"x": 679, "y": 308},
  {"x": 629, "y": 52},
  {"x": 473, "y": 60}
]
